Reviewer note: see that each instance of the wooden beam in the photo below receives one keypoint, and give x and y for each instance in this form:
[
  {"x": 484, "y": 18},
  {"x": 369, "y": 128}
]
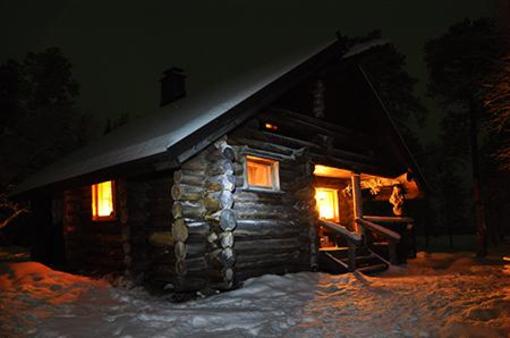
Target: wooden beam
[
  {"x": 329, "y": 128},
  {"x": 357, "y": 202},
  {"x": 293, "y": 143}
]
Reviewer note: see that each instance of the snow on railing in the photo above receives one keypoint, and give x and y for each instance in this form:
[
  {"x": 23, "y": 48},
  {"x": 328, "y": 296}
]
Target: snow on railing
[
  {"x": 379, "y": 229},
  {"x": 342, "y": 230}
]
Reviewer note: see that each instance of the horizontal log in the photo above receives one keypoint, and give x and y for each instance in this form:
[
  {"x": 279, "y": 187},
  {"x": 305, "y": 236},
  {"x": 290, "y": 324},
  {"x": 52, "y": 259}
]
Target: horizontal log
[
  {"x": 166, "y": 239},
  {"x": 222, "y": 167},
  {"x": 225, "y": 274},
  {"x": 218, "y": 200},
  {"x": 189, "y": 177},
  {"x": 261, "y": 211},
  {"x": 161, "y": 239},
  {"x": 268, "y": 260},
  {"x": 269, "y": 198},
  {"x": 225, "y": 257},
  {"x": 188, "y": 210},
  {"x": 196, "y": 163},
  {"x": 274, "y": 138},
  {"x": 265, "y": 146},
  {"x": 220, "y": 182},
  {"x": 269, "y": 245},
  {"x": 181, "y": 192},
  {"x": 192, "y": 265},
  {"x": 226, "y": 219},
  {"x": 250, "y": 229},
  {"x": 196, "y": 249},
  {"x": 317, "y": 126},
  {"x": 223, "y": 151},
  {"x": 307, "y": 192},
  {"x": 198, "y": 228}
]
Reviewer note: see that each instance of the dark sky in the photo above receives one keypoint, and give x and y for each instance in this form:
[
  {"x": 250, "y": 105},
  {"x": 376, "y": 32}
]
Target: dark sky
[{"x": 119, "y": 48}]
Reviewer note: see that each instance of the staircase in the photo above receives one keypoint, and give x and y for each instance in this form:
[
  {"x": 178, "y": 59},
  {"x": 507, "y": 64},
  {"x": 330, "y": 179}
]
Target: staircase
[
  {"x": 369, "y": 254},
  {"x": 336, "y": 261}
]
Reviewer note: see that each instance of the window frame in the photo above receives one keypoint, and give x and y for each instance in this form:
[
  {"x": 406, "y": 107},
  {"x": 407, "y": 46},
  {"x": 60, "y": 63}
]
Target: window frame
[
  {"x": 275, "y": 173},
  {"x": 113, "y": 215}
]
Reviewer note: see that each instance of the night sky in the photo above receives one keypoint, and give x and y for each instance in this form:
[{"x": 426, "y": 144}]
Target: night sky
[{"x": 119, "y": 49}]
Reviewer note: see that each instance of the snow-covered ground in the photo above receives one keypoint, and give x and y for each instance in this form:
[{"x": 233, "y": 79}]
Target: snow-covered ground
[{"x": 445, "y": 295}]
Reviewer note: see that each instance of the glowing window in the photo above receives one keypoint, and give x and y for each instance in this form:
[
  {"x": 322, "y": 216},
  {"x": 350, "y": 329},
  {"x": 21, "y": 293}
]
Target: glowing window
[
  {"x": 327, "y": 204},
  {"x": 103, "y": 201},
  {"x": 262, "y": 173}
]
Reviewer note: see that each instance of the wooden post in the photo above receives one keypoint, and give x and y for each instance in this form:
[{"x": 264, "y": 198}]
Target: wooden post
[
  {"x": 357, "y": 202},
  {"x": 392, "y": 247}
]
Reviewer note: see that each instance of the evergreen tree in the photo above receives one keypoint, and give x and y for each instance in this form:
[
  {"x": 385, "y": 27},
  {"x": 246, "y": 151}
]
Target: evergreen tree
[
  {"x": 38, "y": 118},
  {"x": 458, "y": 63}
]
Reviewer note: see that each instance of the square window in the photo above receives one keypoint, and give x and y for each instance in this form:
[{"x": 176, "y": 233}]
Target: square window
[
  {"x": 262, "y": 173},
  {"x": 103, "y": 196}
]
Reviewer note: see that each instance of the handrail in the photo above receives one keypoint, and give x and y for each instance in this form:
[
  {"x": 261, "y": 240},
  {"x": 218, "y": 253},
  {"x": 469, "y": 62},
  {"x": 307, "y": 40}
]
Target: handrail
[
  {"x": 392, "y": 236},
  {"x": 379, "y": 229},
  {"x": 343, "y": 231},
  {"x": 388, "y": 219}
]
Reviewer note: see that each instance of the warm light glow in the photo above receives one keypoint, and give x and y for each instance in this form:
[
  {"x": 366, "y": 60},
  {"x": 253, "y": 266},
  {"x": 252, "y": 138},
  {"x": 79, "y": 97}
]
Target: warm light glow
[
  {"x": 372, "y": 182},
  {"x": 270, "y": 126},
  {"x": 327, "y": 203},
  {"x": 261, "y": 172},
  {"x": 102, "y": 200},
  {"x": 325, "y": 171}
]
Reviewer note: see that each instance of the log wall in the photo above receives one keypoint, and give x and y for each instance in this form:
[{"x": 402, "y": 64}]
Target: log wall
[
  {"x": 91, "y": 247},
  {"x": 201, "y": 226},
  {"x": 119, "y": 246},
  {"x": 275, "y": 230}
]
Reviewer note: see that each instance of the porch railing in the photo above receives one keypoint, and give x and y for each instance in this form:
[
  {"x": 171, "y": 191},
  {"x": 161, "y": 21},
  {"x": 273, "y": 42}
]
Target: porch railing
[{"x": 353, "y": 240}]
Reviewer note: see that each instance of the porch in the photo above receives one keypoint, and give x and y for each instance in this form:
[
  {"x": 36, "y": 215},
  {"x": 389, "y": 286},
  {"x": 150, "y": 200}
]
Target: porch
[{"x": 349, "y": 238}]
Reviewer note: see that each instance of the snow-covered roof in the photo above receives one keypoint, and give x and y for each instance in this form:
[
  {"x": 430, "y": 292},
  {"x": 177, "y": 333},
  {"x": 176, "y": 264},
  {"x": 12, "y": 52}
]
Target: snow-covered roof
[{"x": 157, "y": 133}]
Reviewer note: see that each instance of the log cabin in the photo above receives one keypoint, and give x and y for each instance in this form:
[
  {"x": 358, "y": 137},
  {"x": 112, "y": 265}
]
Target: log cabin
[{"x": 269, "y": 173}]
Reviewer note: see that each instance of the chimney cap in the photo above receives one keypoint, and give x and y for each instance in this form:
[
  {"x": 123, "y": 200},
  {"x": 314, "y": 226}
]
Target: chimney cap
[{"x": 173, "y": 86}]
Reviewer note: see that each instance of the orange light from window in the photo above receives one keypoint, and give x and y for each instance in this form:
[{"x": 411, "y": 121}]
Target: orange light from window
[
  {"x": 261, "y": 172},
  {"x": 102, "y": 201},
  {"x": 270, "y": 126},
  {"x": 327, "y": 203}
]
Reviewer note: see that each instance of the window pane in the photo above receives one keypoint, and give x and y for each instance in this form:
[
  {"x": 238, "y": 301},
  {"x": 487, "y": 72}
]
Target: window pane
[
  {"x": 102, "y": 199},
  {"x": 327, "y": 203},
  {"x": 260, "y": 174}
]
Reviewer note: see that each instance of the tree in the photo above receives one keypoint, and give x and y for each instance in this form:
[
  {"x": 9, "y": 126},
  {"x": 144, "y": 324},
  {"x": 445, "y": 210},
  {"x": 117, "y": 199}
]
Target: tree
[
  {"x": 497, "y": 102},
  {"x": 385, "y": 65},
  {"x": 38, "y": 118},
  {"x": 458, "y": 63}
]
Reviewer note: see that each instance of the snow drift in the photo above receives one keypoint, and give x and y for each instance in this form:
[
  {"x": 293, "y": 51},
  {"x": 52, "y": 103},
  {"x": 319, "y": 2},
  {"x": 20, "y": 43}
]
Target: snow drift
[{"x": 443, "y": 295}]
